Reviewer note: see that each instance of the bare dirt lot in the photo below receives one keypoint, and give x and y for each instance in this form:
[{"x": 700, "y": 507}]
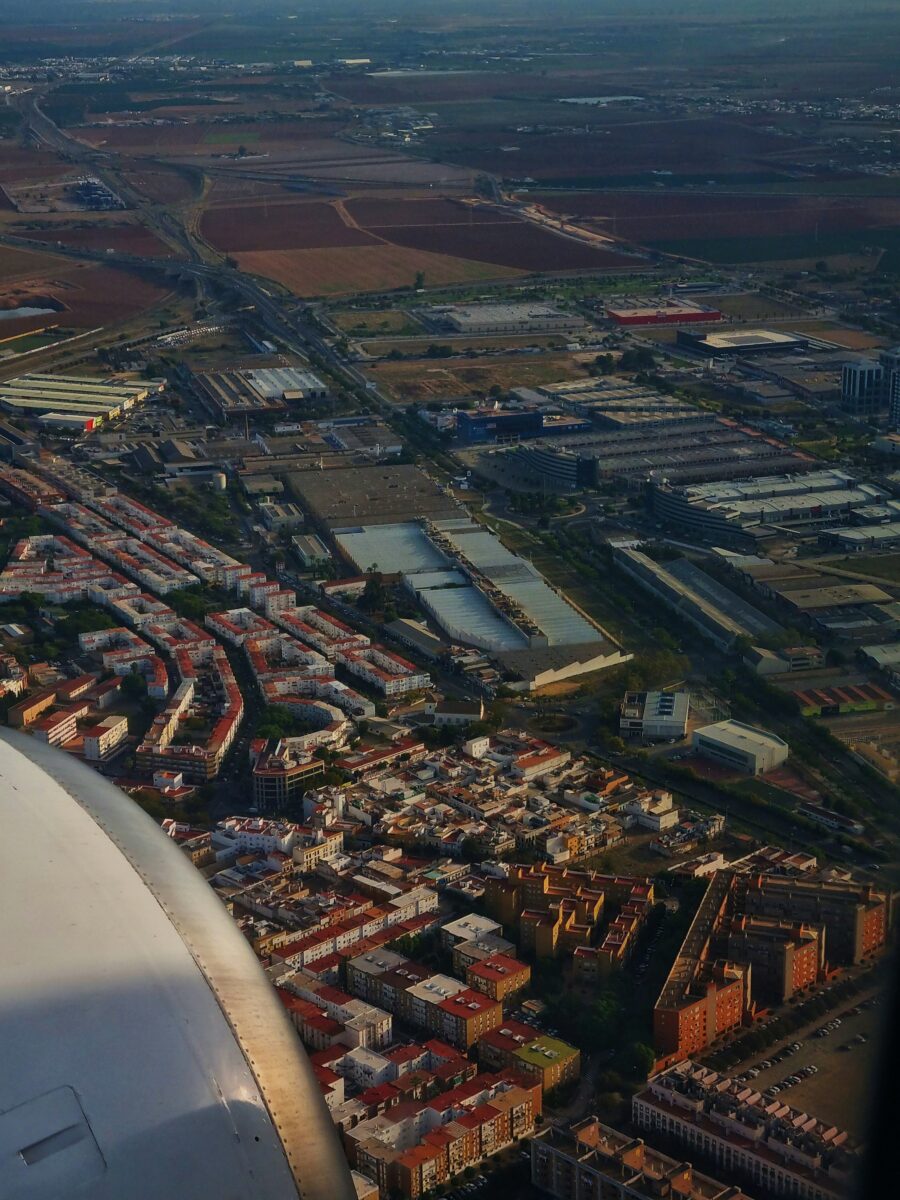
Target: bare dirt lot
[
  {"x": 87, "y": 297},
  {"x": 425, "y": 379}
]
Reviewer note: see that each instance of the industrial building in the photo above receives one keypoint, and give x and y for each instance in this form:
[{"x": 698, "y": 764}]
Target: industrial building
[
  {"x": 310, "y": 549},
  {"x": 505, "y": 318},
  {"x": 717, "y": 613},
  {"x": 667, "y": 312},
  {"x": 255, "y": 392},
  {"x": 726, "y": 511},
  {"x": 655, "y": 716},
  {"x": 70, "y": 401},
  {"x": 742, "y": 747},
  {"x": 480, "y": 594},
  {"x": 740, "y": 342},
  {"x": 375, "y": 495},
  {"x": 890, "y": 362},
  {"x": 862, "y": 387},
  {"x": 512, "y": 424},
  {"x": 685, "y": 445},
  {"x": 856, "y": 539},
  {"x": 611, "y": 403}
]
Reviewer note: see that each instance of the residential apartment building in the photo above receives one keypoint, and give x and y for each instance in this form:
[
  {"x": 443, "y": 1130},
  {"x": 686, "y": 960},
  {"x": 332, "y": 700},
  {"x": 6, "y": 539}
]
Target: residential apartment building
[
  {"x": 855, "y": 916},
  {"x": 558, "y": 909},
  {"x": 513, "y": 1046},
  {"x": 103, "y": 739},
  {"x": 411, "y": 1148},
  {"x": 761, "y": 938},
  {"x": 590, "y": 1161},
  {"x": 786, "y": 956},
  {"x": 281, "y": 774},
  {"x": 466, "y": 1016},
  {"x": 776, "y": 1148},
  {"x": 498, "y": 976},
  {"x": 704, "y": 995}
]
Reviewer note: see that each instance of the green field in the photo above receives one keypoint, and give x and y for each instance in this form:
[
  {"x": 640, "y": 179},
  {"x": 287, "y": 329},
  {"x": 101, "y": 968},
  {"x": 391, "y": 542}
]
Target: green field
[
  {"x": 881, "y": 566},
  {"x": 29, "y": 341}
]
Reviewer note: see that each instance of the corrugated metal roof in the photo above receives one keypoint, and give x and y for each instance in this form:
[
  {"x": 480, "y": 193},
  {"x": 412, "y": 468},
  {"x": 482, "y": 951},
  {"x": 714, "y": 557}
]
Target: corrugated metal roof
[{"x": 403, "y": 548}]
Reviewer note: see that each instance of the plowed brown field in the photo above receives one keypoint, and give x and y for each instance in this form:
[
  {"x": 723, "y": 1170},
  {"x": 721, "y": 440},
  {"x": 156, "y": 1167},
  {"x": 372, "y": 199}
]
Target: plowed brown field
[
  {"x": 282, "y": 225},
  {"x": 646, "y": 217},
  {"x": 343, "y": 270}
]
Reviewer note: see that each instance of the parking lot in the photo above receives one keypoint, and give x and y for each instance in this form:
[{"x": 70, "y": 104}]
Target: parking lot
[{"x": 839, "y": 1089}]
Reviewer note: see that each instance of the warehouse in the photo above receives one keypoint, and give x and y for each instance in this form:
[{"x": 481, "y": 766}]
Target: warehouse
[
  {"x": 229, "y": 394},
  {"x": 481, "y": 594},
  {"x": 610, "y": 403},
  {"x": 686, "y": 450},
  {"x": 128, "y": 392},
  {"x": 311, "y": 550},
  {"x": 378, "y": 495},
  {"x": 68, "y": 422},
  {"x": 94, "y": 400},
  {"x": 286, "y": 383},
  {"x": 715, "y": 612},
  {"x": 88, "y": 413},
  {"x": 740, "y": 342},
  {"x": 856, "y": 539},
  {"x": 667, "y": 312},
  {"x": 505, "y": 318},
  {"x": 725, "y": 509},
  {"x": 742, "y": 747}
]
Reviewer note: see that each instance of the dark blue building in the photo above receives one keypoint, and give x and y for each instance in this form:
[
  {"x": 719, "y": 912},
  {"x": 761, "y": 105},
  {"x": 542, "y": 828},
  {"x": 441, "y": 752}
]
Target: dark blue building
[{"x": 499, "y": 425}]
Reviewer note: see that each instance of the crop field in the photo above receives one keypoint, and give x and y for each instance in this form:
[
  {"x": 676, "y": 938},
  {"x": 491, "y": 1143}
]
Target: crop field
[
  {"x": 881, "y": 566},
  {"x": 397, "y": 212},
  {"x": 203, "y": 137},
  {"x": 851, "y": 250},
  {"x": 411, "y": 87},
  {"x": 689, "y": 147},
  {"x": 417, "y": 380},
  {"x": 517, "y": 244},
  {"x": 830, "y": 331},
  {"x": 128, "y": 238},
  {"x": 16, "y": 265},
  {"x": 231, "y": 189},
  {"x": 280, "y": 225},
  {"x": 485, "y": 235},
  {"x": 21, "y": 166},
  {"x": 343, "y": 270},
  {"x": 652, "y": 218},
  {"x": 224, "y": 137},
  {"x": 449, "y": 241},
  {"x": 418, "y": 345}
]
